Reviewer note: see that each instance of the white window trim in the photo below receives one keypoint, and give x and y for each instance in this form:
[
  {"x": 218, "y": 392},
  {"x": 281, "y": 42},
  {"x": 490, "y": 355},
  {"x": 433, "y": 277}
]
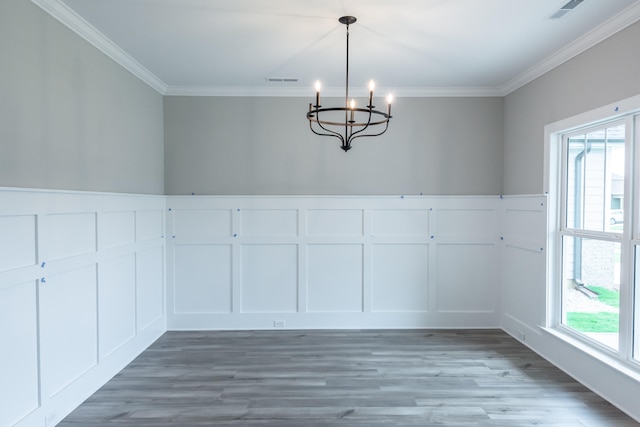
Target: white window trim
[{"x": 553, "y": 158}]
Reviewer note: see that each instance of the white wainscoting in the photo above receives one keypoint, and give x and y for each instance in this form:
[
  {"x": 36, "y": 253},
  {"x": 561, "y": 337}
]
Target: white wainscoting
[
  {"x": 82, "y": 275},
  {"x": 81, "y": 295},
  {"x": 524, "y": 281},
  {"x": 333, "y": 262}
]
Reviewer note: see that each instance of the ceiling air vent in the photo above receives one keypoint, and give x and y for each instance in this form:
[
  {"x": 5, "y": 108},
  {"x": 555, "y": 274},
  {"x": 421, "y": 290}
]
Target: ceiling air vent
[
  {"x": 566, "y": 9},
  {"x": 282, "y": 79}
]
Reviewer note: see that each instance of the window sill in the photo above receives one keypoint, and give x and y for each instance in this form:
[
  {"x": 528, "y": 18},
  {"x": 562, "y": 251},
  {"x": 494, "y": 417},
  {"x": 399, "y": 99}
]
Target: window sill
[{"x": 630, "y": 369}]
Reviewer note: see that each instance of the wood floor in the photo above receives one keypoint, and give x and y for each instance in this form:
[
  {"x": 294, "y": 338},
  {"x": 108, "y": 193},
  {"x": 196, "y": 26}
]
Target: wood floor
[{"x": 342, "y": 378}]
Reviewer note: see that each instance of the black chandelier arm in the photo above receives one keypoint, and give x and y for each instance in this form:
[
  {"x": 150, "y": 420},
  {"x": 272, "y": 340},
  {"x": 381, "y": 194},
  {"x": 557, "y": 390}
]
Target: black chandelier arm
[
  {"x": 329, "y": 132},
  {"x": 350, "y": 134},
  {"x": 354, "y": 136}
]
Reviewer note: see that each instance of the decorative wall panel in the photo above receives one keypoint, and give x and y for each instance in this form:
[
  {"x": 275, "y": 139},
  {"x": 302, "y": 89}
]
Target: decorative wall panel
[
  {"x": 400, "y": 278},
  {"x": 466, "y": 222},
  {"x": 202, "y": 224},
  {"x": 269, "y": 222},
  {"x": 524, "y": 271},
  {"x": 332, "y": 262},
  {"x": 334, "y": 278},
  {"x": 334, "y": 222},
  {"x": 400, "y": 222},
  {"x": 149, "y": 225},
  {"x": 149, "y": 286},
  {"x": 117, "y": 229},
  {"x": 73, "y": 282},
  {"x": 67, "y": 235},
  {"x": 17, "y": 245},
  {"x": 19, "y": 355},
  {"x": 116, "y": 303},
  {"x": 68, "y": 327},
  {"x": 467, "y": 278},
  {"x": 205, "y": 272},
  {"x": 269, "y": 278}
]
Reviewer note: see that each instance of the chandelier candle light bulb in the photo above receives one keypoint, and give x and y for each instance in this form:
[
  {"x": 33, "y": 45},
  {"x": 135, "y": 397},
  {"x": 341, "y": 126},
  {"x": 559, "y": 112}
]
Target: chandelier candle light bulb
[
  {"x": 353, "y": 107},
  {"x": 372, "y": 86},
  {"x": 318, "y": 87},
  {"x": 355, "y": 121}
]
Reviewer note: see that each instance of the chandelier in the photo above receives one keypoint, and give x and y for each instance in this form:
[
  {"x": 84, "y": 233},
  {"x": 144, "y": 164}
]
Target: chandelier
[{"x": 328, "y": 121}]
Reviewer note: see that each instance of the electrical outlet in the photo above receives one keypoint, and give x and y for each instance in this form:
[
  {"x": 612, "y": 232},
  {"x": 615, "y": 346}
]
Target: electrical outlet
[{"x": 278, "y": 323}]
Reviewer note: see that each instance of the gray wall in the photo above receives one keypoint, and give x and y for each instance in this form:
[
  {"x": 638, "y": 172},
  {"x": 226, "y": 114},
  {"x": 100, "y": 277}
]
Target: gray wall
[
  {"x": 70, "y": 117},
  {"x": 606, "y": 73},
  {"x": 258, "y": 146}
]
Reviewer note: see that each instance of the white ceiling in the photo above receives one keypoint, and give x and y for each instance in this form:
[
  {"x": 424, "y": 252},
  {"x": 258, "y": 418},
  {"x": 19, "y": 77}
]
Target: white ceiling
[{"x": 412, "y": 47}]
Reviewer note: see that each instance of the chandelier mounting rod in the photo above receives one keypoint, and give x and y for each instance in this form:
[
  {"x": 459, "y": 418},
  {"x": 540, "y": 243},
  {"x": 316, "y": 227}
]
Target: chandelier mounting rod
[{"x": 347, "y": 20}]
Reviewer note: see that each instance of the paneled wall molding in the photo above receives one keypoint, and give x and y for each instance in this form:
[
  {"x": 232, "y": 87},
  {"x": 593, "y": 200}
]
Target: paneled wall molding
[
  {"x": 84, "y": 285},
  {"x": 81, "y": 295},
  {"x": 333, "y": 262}
]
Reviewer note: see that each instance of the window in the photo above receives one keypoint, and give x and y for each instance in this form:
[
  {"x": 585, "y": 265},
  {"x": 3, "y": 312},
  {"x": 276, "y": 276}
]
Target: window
[
  {"x": 594, "y": 161},
  {"x": 594, "y": 189}
]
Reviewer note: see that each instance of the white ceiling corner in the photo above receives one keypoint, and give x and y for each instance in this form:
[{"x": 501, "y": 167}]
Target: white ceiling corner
[
  {"x": 84, "y": 29},
  {"x": 610, "y": 27}
]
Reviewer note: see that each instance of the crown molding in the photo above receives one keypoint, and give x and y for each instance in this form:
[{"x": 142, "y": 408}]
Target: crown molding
[
  {"x": 77, "y": 24},
  {"x": 607, "y": 29},
  {"x": 332, "y": 92}
]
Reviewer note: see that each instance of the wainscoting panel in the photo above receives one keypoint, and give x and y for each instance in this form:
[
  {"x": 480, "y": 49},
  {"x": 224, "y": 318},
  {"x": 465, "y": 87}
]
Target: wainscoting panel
[
  {"x": 117, "y": 229},
  {"x": 68, "y": 316},
  {"x": 149, "y": 224},
  {"x": 334, "y": 222},
  {"x": 333, "y": 262},
  {"x": 18, "y": 242},
  {"x": 201, "y": 224},
  {"x": 467, "y": 277},
  {"x": 19, "y": 356},
  {"x": 400, "y": 278},
  {"x": 525, "y": 258},
  {"x": 524, "y": 294},
  {"x": 69, "y": 234},
  {"x": 334, "y": 278},
  {"x": 150, "y": 298},
  {"x": 400, "y": 222},
  {"x": 466, "y": 223},
  {"x": 78, "y": 271},
  {"x": 205, "y": 271},
  {"x": 116, "y": 302},
  {"x": 269, "y": 278},
  {"x": 269, "y": 222}
]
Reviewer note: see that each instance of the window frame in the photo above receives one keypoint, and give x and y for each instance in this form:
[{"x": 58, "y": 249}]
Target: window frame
[{"x": 555, "y": 185}]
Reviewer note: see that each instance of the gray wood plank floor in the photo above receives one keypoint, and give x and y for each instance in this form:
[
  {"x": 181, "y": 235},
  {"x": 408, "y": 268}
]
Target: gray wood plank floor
[{"x": 343, "y": 378}]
